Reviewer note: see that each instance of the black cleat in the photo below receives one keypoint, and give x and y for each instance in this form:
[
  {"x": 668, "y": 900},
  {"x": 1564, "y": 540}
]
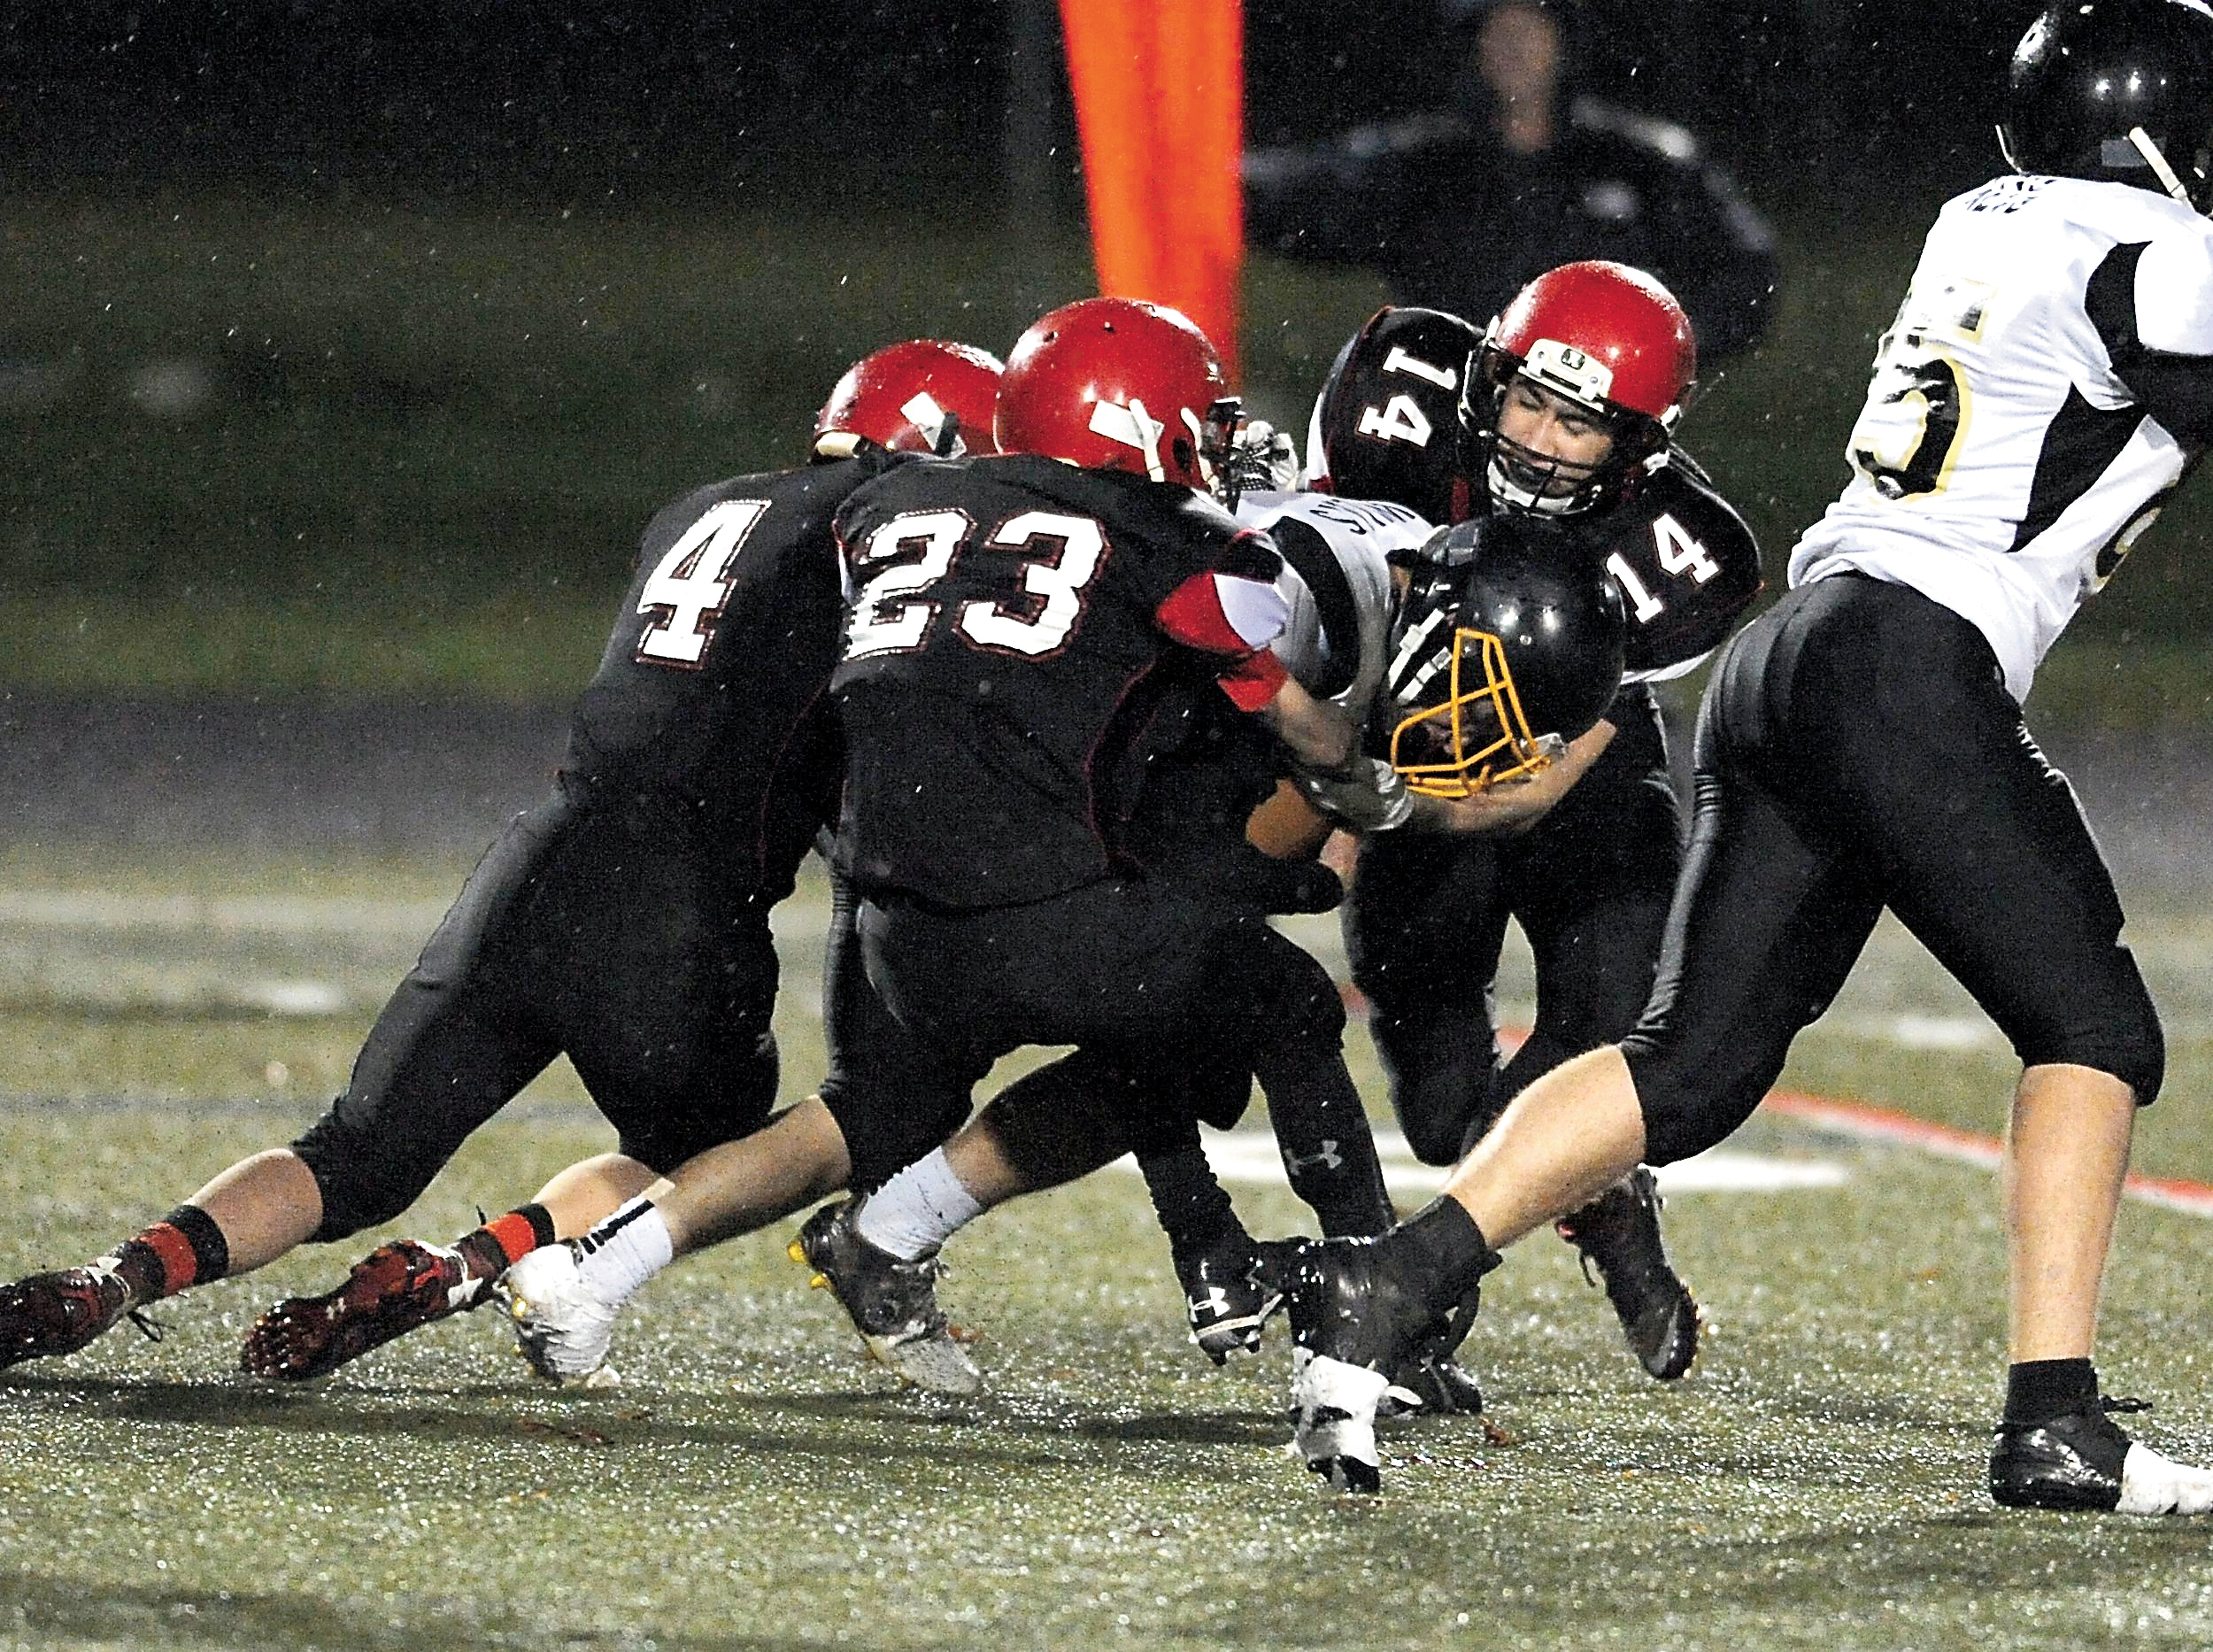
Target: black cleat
[
  {"x": 893, "y": 1303},
  {"x": 1223, "y": 1306},
  {"x": 2083, "y": 1461},
  {"x": 59, "y": 1313},
  {"x": 394, "y": 1288},
  {"x": 1618, "y": 1232},
  {"x": 1433, "y": 1384},
  {"x": 1353, "y": 1318}
]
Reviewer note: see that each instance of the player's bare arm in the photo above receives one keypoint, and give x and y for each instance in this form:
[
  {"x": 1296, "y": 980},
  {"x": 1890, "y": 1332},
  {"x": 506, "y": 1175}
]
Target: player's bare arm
[{"x": 1511, "y": 807}]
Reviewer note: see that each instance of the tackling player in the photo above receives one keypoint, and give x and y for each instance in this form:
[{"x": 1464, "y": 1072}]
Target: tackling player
[
  {"x": 1566, "y": 409},
  {"x": 2048, "y": 380},
  {"x": 623, "y": 922},
  {"x": 1131, "y": 802}
]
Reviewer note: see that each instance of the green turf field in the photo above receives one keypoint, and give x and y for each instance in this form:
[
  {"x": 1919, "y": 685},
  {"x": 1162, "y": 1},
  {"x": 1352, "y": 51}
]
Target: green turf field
[{"x": 756, "y": 1484}]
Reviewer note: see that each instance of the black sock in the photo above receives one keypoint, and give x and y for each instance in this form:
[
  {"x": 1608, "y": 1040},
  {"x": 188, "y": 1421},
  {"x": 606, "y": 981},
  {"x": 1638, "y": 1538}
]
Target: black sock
[
  {"x": 2036, "y": 1391},
  {"x": 1195, "y": 1213},
  {"x": 1446, "y": 1249},
  {"x": 1328, "y": 1151}
]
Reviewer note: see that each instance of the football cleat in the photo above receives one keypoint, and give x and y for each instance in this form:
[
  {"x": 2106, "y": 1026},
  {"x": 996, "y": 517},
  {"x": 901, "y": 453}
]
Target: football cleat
[
  {"x": 1433, "y": 1384},
  {"x": 892, "y": 1302},
  {"x": 1618, "y": 1233},
  {"x": 59, "y": 1313},
  {"x": 562, "y": 1325},
  {"x": 389, "y": 1292},
  {"x": 1353, "y": 1318},
  {"x": 1222, "y": 1304},
  {"x": 1333, "y": 1408},
  {"x": 2083, "y": 1461}
]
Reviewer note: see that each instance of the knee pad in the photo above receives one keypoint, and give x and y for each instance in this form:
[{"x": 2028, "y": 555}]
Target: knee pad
[
  {"x": 1691, "y": 1105},
  {"x": 363, "y": 1182}
]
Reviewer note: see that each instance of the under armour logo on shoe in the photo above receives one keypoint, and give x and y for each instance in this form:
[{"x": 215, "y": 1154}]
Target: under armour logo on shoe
[{"x": 1327, "y": 1158}]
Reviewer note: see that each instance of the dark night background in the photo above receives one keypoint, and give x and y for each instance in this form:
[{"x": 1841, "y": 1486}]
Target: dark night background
[
  {"x": 426, "y": 306},
  {"x": 723, "y": 105}
]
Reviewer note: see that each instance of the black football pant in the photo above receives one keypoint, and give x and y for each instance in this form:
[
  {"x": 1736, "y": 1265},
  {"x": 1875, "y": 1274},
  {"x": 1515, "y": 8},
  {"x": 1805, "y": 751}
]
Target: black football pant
[
  {"x": 1589, "y": 884},
  {"x": 1174, "y": 996},
  {"x": 1857, "y": 749},
  {"x": 602, "y": 931}
]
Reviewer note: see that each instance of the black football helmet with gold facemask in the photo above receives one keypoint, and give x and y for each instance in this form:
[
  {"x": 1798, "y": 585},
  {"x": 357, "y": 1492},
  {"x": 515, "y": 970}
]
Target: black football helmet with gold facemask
[{"x": 1508, "y": 645}]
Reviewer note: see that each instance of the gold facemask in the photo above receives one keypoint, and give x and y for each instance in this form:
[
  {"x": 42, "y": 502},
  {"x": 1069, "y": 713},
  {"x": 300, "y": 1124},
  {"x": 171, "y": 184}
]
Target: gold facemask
[{"x": 1477, "y": 735}]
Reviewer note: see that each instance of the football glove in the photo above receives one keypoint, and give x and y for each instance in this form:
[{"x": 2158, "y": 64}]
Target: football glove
[
  {"x": 1368, "y": 795},
  {"x": 1263, "y": 459}
]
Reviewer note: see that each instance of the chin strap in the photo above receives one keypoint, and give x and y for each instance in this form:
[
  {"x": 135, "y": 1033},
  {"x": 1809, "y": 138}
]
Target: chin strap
[{"x": 2143, "y": 142}]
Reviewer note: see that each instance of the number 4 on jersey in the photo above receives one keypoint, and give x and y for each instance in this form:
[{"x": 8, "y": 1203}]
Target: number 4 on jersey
[
  {"x": 691, "y": 584},
  {"x": 1678, "y": 554}
]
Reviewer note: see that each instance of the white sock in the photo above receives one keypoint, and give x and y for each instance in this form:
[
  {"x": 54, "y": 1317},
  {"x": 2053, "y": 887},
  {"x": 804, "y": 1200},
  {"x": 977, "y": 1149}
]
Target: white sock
[
  {"x": 918, "y": 1209},
  {"x": 624, "y": 1251}
]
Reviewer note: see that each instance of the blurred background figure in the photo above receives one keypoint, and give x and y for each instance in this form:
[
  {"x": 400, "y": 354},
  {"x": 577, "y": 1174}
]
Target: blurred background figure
[{"x": 1460, "y": 206}]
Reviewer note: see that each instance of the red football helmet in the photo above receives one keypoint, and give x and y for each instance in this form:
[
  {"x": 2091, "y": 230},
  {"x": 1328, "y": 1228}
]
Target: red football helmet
[
  {"x": 922, "y": 396},
  {"x": 1607, "y": 337},
  {"x": 1118, "y": 384}
]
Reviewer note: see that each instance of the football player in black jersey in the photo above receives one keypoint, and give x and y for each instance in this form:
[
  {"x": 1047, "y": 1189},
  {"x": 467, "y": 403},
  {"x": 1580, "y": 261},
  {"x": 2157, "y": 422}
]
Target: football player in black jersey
[
  {"x": 1018, "y": 623},
  {"x": 1026, "y": 633},
  {"x": 1566, "y": 409},
  {"x": 2049, "y": 381},
  {"x": 622, "y": 921}
]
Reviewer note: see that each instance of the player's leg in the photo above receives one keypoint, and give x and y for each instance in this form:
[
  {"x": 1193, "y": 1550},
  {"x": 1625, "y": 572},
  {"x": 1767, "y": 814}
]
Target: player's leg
[
  {"x": 440, "y": 1058},
  {"x": 1424, "y": 922},
  {"x": 671, "y": 1035},
  {"x": 1996, "y": 872},
  {"x": 1209, "y": 1246},
  {"x": 1768, "y": 918},
  {"x": 1590, "y": 888},
  {"x": 488, "y": 1007},
  {"x": 886, "y": 1101}
]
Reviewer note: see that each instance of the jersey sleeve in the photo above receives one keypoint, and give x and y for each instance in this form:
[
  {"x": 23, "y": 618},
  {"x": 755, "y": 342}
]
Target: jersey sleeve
[
  {"x": 2156, "y": 321},
  {"x": 1687, "y": 566},
  {"x": 1234, "y": 618}
]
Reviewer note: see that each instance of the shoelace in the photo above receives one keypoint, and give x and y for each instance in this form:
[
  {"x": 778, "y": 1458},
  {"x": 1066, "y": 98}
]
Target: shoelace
[
  {"x": 2126, "y": 1404},
  {"x": 153, "y": 1330}
]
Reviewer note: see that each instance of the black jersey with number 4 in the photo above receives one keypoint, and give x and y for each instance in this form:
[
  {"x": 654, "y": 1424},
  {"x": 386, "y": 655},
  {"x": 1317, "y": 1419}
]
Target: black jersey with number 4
[
  {"x": 711, "y": 689},
  {"x": 1006, "y": 643}
]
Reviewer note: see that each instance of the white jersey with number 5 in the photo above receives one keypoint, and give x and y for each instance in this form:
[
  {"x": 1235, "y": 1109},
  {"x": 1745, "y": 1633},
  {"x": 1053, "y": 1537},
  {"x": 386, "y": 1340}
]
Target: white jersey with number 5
[{"x": 2005, "y": 458}]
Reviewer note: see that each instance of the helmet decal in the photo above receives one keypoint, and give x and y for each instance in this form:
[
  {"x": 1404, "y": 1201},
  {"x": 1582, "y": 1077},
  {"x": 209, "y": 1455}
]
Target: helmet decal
[
  {"x": 1118, "y": 384},
  {"x": 919, "y": 396}
]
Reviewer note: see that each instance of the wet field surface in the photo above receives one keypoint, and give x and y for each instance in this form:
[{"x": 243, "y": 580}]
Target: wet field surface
[{"x": 440, "y": 776}]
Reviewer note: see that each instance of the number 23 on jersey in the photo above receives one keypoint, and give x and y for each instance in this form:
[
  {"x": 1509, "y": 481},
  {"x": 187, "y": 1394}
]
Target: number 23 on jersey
[{"x": 902, "y": 560}]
